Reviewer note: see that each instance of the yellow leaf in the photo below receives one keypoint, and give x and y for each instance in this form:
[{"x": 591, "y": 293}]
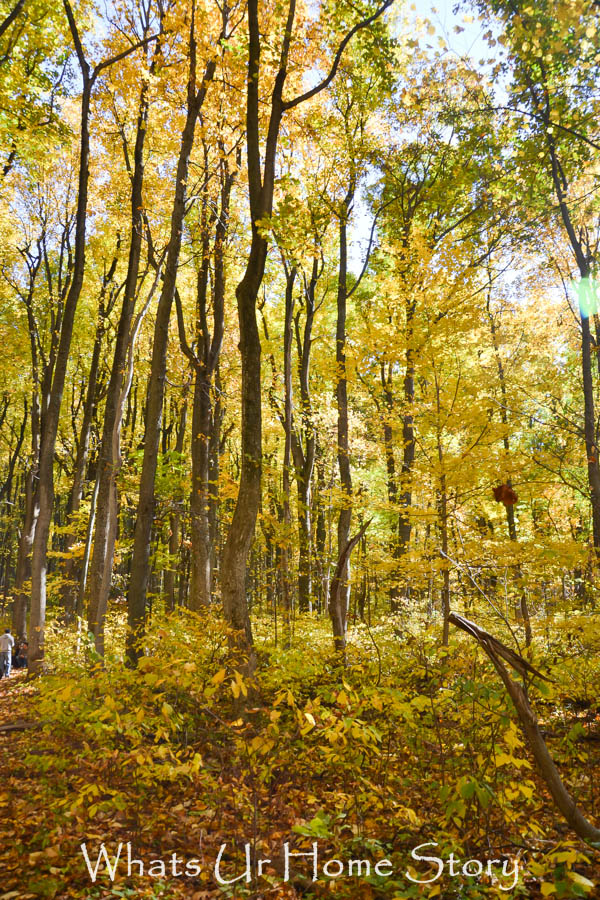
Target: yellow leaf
[
  {"x": 547, "y": 889},
  {"x": 219, "y": 677},
  {"x": 242, "y": 684},
  {"x": 582, "y": 880},
  {"x": 512, "y": 738},
  {"x": 503, "y": 759},
  {"x": 568, "y": 856}
]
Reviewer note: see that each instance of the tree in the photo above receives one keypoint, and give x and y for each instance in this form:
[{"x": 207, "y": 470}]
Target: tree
[
  {"x": 196, "y": 95},
  {"x": 261, "y": 185},
  {"x": 205, "y": 361},
  {"x": 45, "y": 492},
  {"x": 553, "y": 103},
  {"x": 109, "y": 459}
]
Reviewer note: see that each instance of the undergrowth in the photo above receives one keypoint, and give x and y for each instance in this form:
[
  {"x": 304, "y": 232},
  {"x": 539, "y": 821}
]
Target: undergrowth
[{"x": 409, "y": 744}]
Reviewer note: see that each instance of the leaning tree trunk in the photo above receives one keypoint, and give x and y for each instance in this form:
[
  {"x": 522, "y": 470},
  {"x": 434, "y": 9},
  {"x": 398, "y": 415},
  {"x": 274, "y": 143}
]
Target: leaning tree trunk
[{"x": 497, "y": 651}]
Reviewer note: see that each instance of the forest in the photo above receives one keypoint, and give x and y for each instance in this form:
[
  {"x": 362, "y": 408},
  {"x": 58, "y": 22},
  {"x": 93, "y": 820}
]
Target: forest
[{"x": 299, "y": 449}]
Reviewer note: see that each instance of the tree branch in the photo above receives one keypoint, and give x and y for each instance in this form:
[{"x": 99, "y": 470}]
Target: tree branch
[
  {"x": 11, "y": 17},
  {"x": 540, "y": 118},
  {"x": 289, "y": 104}
]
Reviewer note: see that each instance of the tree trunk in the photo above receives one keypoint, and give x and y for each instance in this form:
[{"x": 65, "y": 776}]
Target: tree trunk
[
  {"x": 71, "y": 567},
  {"x": 392, "y": 481},
  {"x": 304, "y": 448},
  {"x": 109, "y": 458},
  {"x": 443, "y": 511},
  {"x": 408, "y": 436},
  {"x": 340, "y": 597},
  {"x": 261, "y": 183},
  {"x": 522, "y": 607},
  {"x": 51, "y": 411},
  {"x": 204, "y": 417},
  {"x": 201, "y": 552},
  {"x": 319, "y": 518},
  {"x": 241, "y": 531},
  {"x": 443, "y": 519},
  {"x": 80, "y": 605},
  {"x": 586, "y": 305},
  {"x": 174, "y": 537},
  {"x": 288, "y": 425},
  {"x": 52, "y": 416},
  {"x": 23, "y": 571},
  {"x": 27, "y": 533},
  {"x": 140, "y": 563},
  {"x": 216, "y": 449}
]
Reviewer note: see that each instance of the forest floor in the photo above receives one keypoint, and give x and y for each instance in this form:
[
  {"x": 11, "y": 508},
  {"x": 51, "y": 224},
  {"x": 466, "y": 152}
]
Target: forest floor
[{"x": 408, "y": 745}]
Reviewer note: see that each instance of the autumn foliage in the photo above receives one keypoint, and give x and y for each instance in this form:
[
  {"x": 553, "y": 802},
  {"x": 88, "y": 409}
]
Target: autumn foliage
[{"x": 300, "y": 368}]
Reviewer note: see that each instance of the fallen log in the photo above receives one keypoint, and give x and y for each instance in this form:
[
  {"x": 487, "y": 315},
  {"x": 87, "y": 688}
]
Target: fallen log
[{"x": 19, "y": 725}]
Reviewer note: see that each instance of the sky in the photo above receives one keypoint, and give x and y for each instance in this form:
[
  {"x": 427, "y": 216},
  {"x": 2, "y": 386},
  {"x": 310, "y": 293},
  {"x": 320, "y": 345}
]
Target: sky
[{"x": 468, "y": 42}]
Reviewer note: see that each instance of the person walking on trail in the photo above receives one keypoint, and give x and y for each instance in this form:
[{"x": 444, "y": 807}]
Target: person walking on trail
[{"x": 6, "y": 644}]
